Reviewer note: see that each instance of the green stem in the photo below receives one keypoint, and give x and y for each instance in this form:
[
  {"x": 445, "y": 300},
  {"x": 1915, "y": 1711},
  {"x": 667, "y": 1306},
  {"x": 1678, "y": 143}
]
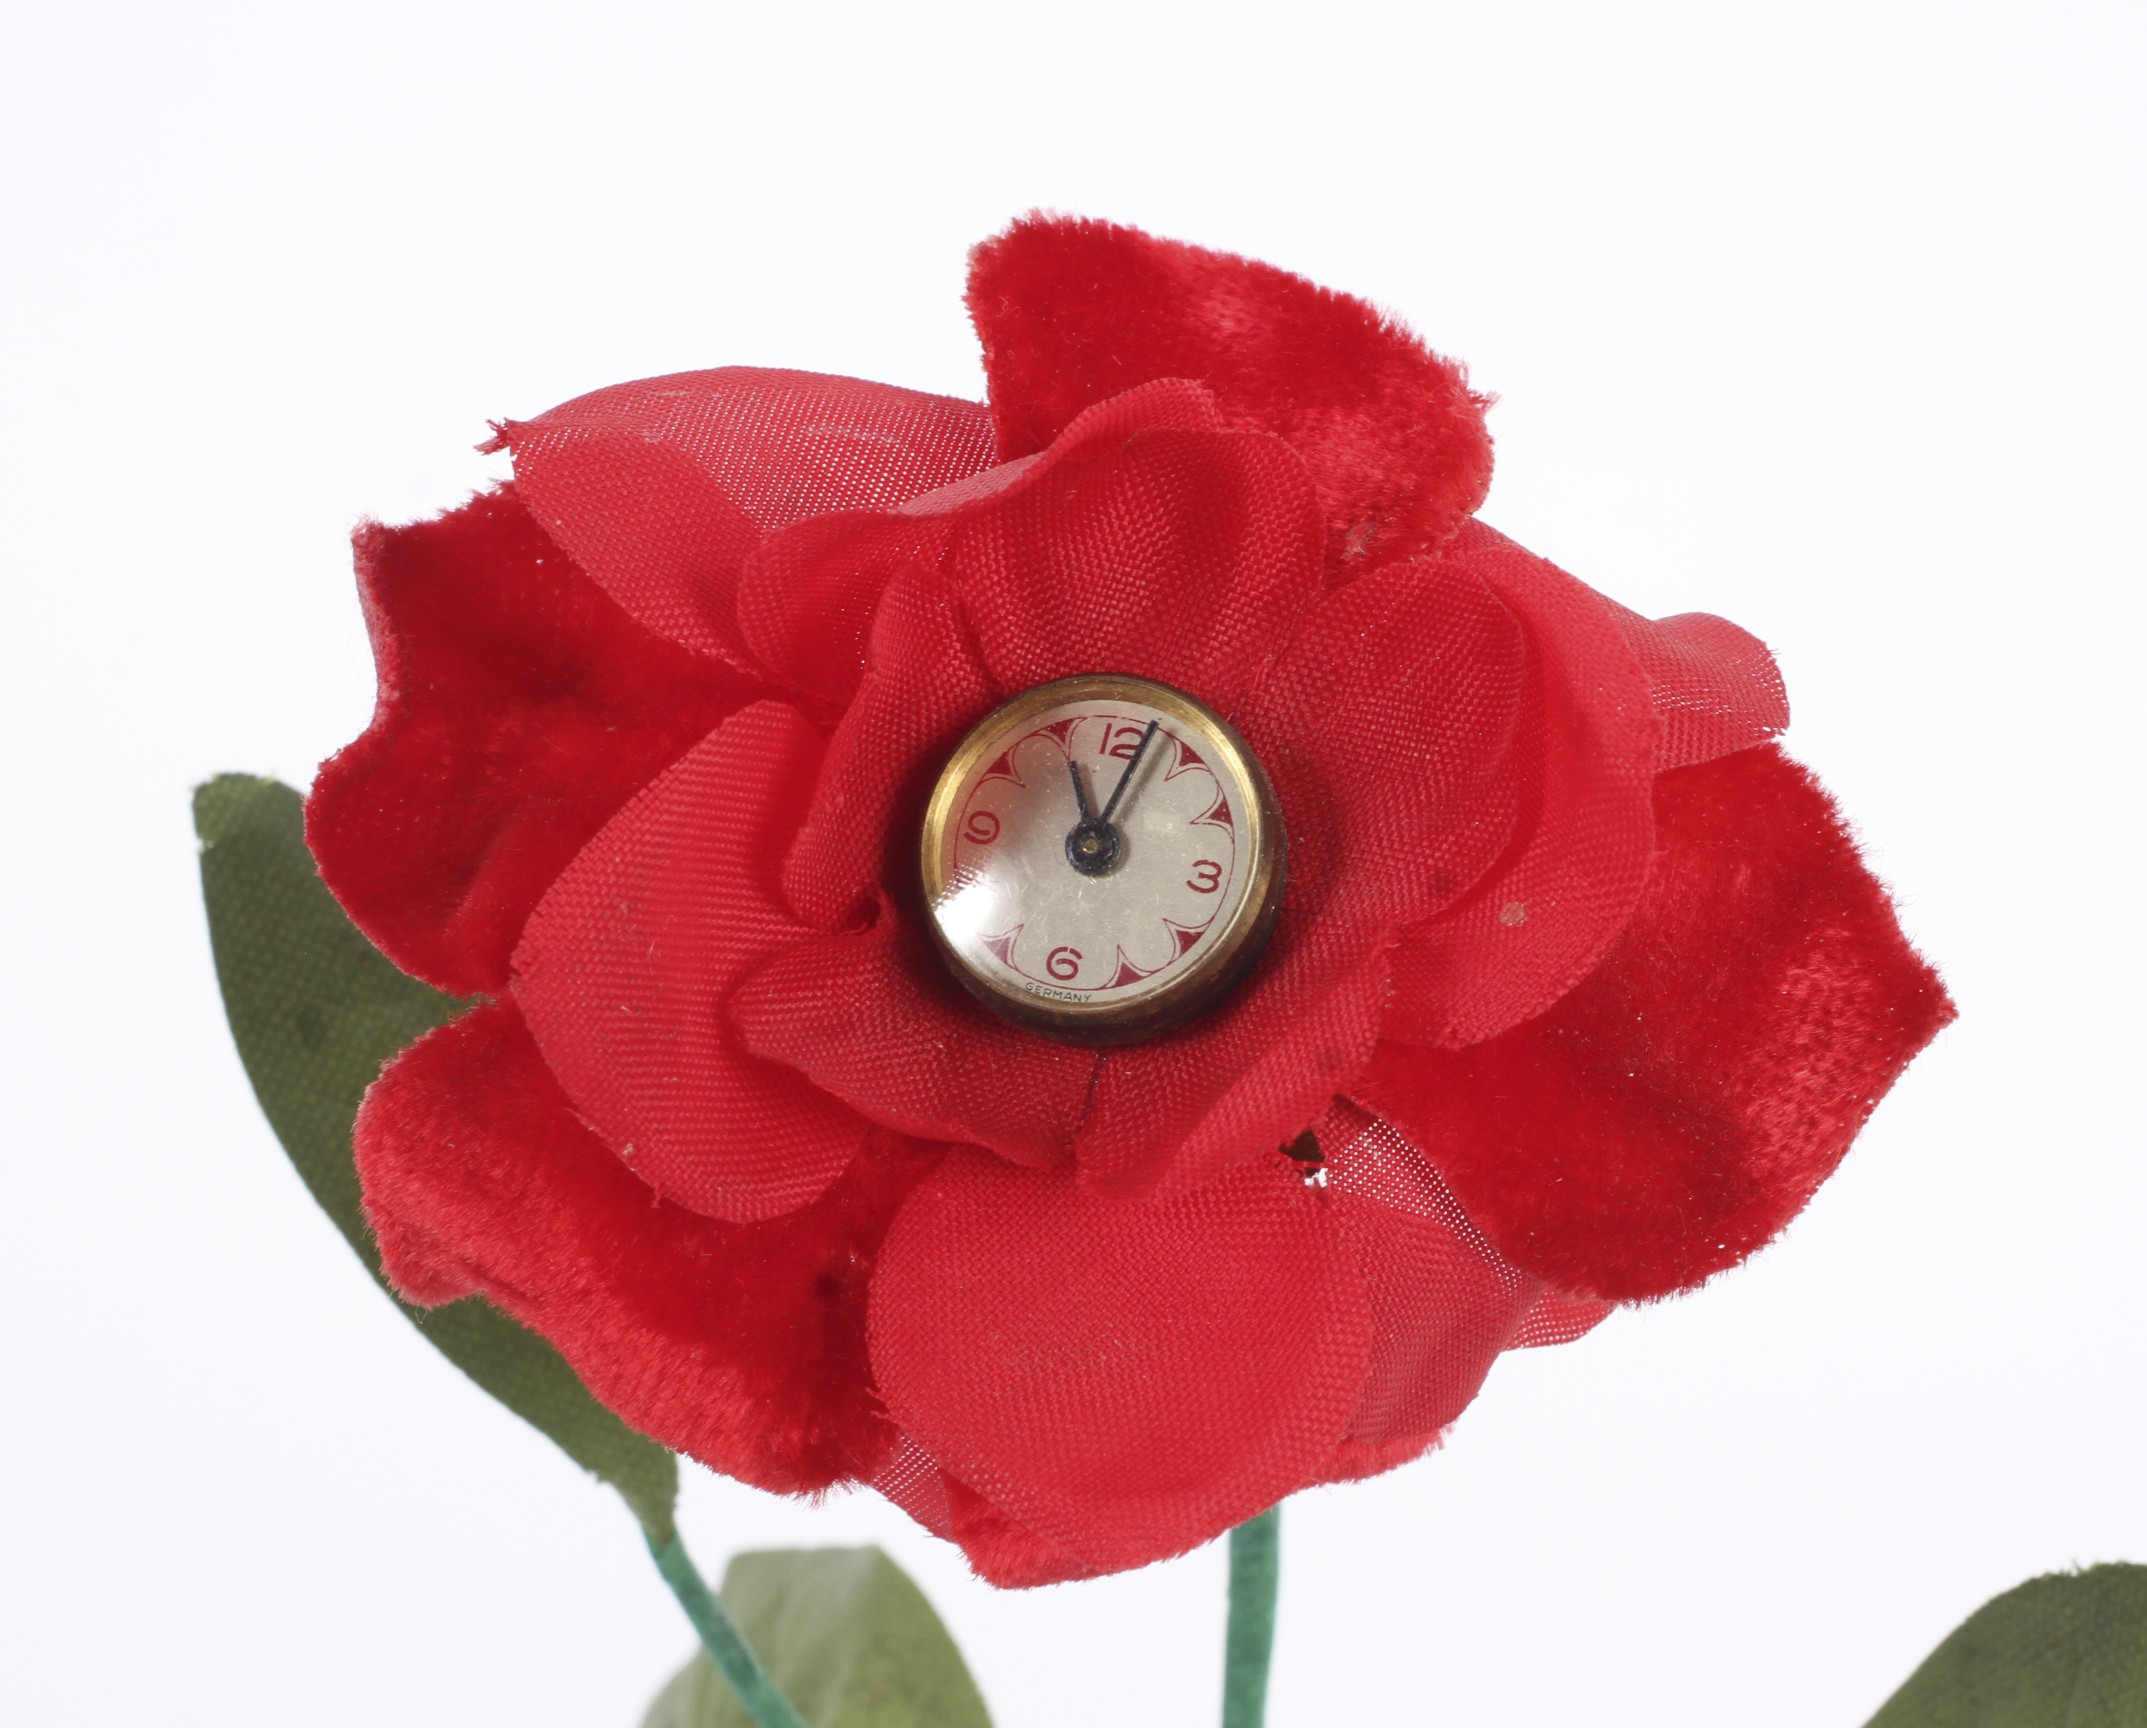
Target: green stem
[
  {"x": 720, "y": 1637},
  {"x": 1255, "y": 1571}
]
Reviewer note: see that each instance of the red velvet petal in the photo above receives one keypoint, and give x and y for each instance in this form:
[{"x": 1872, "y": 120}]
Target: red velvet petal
[
  {"x": 1715, "y": 687},
  {"x": 518, "y": 709},
  {"x": 874, "y": 1019},
  {"x": 1444, "y": 1303},
  {"x": 659, "y": 533},
  {"x": 912, "y": 1479},
  {"x": 1541, "y": 919},
  {"x": 1680, "y": 1106},
  {"x": 626, "y": 969},
  {"x": 1354, "y": 1460},
  {"x": 742, "y": 1345},
  {"x": 1125, "y": 1379},
  {"x": 661, "y": 488},
  {"x": 1071, "y": 312},
  {"x": 999, "y": 1550},
  {"x": 1390, "y": 730},
  {"x": 1238, "y": 1082},
  {"x": 806, "y": 601}
]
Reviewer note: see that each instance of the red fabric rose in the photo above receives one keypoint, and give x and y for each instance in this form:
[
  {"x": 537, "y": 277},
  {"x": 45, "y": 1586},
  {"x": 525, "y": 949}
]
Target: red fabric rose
[{"x": 1578, "y": 986}]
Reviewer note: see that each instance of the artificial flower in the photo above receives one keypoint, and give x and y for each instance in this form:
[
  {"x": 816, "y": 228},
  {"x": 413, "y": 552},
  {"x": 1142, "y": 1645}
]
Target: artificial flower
[{"x": 1578, "y": 990}]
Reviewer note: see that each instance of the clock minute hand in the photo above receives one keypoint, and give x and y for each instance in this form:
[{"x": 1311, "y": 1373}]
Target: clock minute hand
[{"x": 1126, "y": 779}]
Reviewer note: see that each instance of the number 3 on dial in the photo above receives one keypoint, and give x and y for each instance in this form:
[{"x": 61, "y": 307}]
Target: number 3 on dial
[{"x": 1102, "y": 857}]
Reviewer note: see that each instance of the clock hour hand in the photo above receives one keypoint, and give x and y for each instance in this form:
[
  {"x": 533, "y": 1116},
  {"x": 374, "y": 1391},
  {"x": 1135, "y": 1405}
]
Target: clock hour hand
[{"x": 1080, "y": 791}]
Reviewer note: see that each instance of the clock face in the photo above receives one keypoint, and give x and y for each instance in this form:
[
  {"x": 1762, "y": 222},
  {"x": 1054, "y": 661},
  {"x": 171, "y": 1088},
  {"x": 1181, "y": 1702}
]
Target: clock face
[{"x": 1102, "y": 857}]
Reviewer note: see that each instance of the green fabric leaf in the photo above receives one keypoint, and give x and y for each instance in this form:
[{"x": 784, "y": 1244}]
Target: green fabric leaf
[
  {"x": 316, "y": 1010},
  {"x": 846, "y": 1635},
  {"x": 2065, "y": 1651}
]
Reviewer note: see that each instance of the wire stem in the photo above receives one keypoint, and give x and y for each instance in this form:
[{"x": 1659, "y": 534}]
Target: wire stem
[
  {"x": 720, "y": 1637},
  {"x": 1255, "y": 1572}
]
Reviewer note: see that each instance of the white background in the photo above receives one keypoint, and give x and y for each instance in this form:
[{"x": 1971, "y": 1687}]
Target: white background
[{"x": 1825, "y": 317}]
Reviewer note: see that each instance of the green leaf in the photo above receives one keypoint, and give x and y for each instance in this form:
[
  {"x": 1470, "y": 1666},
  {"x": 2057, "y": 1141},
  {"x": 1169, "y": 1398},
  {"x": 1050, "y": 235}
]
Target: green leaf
[
  {"x": 316, "y": 1010},
  {"x": 2065, "y": 1651},
  {"x": 846, "y": 1635}
]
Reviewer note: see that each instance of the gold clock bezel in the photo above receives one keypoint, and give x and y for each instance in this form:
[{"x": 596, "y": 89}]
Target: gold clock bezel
[{"x": 1213, "y": 972}]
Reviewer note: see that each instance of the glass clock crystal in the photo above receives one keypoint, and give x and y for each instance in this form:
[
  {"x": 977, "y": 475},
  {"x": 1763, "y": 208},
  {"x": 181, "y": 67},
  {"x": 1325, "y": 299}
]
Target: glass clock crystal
[{"x": 1102, "y": 858}]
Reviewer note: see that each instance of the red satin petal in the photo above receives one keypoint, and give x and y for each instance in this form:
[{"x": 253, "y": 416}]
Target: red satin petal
[
  {"x": 861, "y": 830},
  {"x": 1003, "y": 1552},
  {"x": 874, "y": 1019},
  {"x": 999, "y": 1550},
  {"x": 1154, "y": 405},
  {"x": 742, "y": 1345},
  {"x": 806, "y": 601},
  {"x": 1543, "y": 916},
  {"x": 1444, "y": 1302},
  {"x": 627, "y": 966},
  {"x": 1126, "y": 1379},
  {"x": 1183, "y": 556},
  {"x": 1680, "y": 1106},
  {"x": 1238, "y": 1082},
  {"x": 662, "y": 488},
  {"x": 1390, "y": 731},
  {"x": 518, "y": 709},
  {"x": 1071, "y": 312},
  {"x": 1715, "y": 687}
]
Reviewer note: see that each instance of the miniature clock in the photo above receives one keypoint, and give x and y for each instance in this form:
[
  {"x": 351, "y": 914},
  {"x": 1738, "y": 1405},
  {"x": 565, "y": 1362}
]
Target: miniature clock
[{"x": 1103, "y": 858}]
